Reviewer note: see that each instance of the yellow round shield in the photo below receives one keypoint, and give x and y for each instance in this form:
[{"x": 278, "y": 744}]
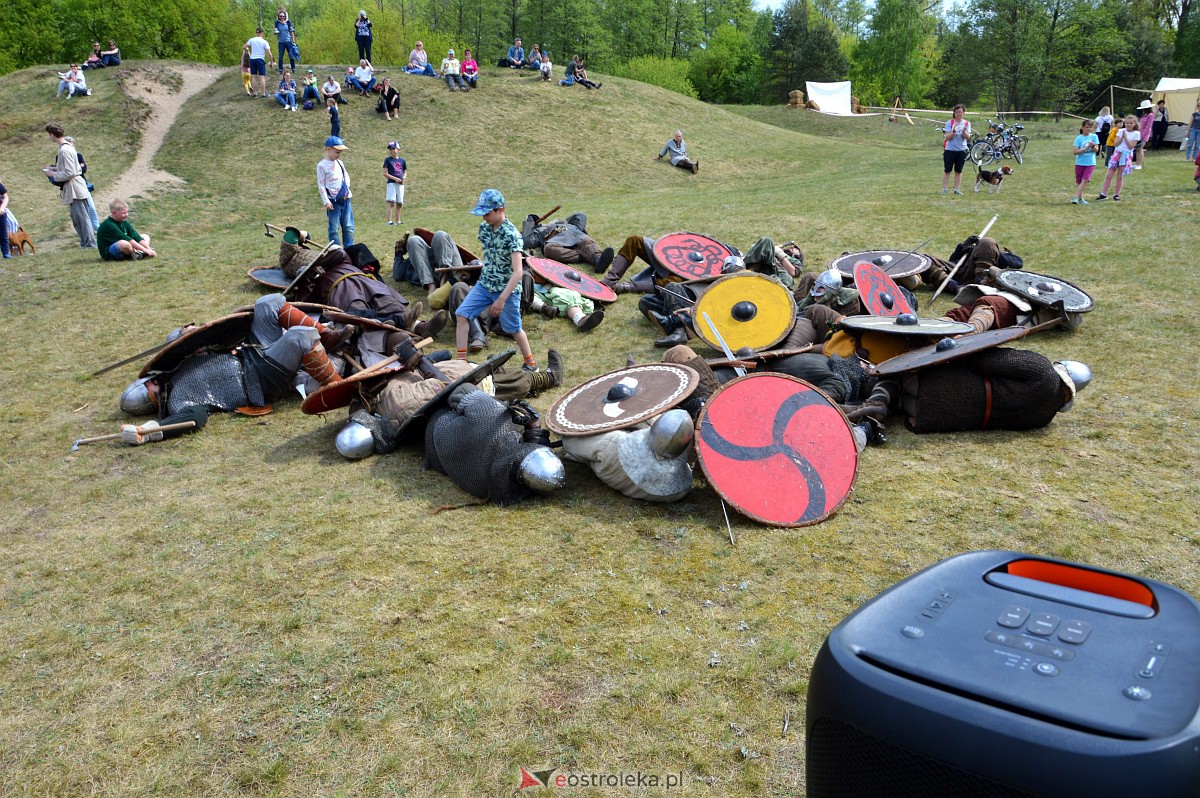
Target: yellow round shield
[{"x": 750, "y": 311}]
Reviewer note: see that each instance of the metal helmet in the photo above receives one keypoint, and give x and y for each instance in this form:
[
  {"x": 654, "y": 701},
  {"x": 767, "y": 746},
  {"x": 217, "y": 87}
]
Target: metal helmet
[
  {"x": 542, "y": 471},
  {"x": 671, "y": 433},
  {"x": 733, "y": 263},
  {"x": 140, "y": 398},
  {"x": 1079, "y": 374},
  {"x": 355, "y": 441},
  {"x": 828, "y": 280}
]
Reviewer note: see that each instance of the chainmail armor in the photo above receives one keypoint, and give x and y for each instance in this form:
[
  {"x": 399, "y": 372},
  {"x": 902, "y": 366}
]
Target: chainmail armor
[
  {"x": 479, "y": 448},
  {"x": 213, "y": 381},
  {"x": 383, "y": 430}
]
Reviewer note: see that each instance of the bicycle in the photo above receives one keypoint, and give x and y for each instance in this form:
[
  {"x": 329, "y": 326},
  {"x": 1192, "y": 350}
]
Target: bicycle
[{"x": 1001, "y": 141}]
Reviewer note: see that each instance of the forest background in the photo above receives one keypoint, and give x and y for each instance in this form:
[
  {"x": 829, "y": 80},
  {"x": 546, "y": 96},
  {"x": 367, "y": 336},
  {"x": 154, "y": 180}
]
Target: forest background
[{"x": 1002, "y": 55}]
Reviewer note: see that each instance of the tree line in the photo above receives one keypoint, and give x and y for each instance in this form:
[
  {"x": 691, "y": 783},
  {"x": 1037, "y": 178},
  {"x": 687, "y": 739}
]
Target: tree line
[{"x": 1002, "y": 54}]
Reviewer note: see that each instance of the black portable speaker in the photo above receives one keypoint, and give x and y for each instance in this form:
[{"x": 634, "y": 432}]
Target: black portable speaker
[{"x": 1002, "y": 674}]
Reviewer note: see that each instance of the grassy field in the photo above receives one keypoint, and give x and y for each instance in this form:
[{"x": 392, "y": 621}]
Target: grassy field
[{"x": 244, "y": 612}]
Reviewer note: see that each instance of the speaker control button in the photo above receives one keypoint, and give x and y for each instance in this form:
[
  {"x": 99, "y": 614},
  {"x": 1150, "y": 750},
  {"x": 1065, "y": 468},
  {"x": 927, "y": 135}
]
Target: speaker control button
[
  {"x": 914, "y": 632},
  {"x": 1075, "y": 632},
  {"x": 1043, "y": 624},
  {"x": 1136, "y": 693},
  {"x": 1013, "y": 617},
  {"x": 1046, "y": 669}
]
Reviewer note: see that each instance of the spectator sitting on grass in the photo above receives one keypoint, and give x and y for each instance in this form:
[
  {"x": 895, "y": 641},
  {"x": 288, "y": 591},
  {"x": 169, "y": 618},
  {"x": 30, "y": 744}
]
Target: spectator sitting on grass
[
  {"x": 470, "y": 69},
  {"x": 331, "y": 88},
  {"x": 117, "y": 240},
  {"x": 418, "y": 62},
  {"x": 363, "y": 78},
  {"x": 516, "y": 55}
]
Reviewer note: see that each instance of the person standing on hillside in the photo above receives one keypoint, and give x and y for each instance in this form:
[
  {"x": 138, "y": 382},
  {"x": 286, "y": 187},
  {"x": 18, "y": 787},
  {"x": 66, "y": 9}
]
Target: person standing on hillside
[
  {"x": 395, "y": 169},
  {"x": 260, "y": 54},
  {"x": 955, "y": 143},
  {"x": 333, "y": 184},
  {"x": 285, "y": 36},
  {"x": 4, "y": 222},
  {"x": 677, "y": 149},
  {"x": 362, "y": 35},
  {"x": 75, "y": 194}
]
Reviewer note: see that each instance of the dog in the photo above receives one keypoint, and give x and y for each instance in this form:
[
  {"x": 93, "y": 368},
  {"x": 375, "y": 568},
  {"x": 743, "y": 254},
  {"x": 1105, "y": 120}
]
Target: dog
[
  {"x": 17, "y": 241},
  {"x": 993, "y": 179}
]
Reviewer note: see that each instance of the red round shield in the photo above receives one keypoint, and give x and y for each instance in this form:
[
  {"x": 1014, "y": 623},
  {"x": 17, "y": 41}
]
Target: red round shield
[
  {"x": 343, "y": 392},
  {"x": 777, "y": 449},
  {"x": 691, "y": 255},
  {"x": 879, "y": 293},
  {"x": 564, "y": 276}
]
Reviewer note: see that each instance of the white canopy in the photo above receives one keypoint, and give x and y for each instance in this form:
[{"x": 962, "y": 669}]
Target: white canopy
[{"x": 1181, "y": 95}]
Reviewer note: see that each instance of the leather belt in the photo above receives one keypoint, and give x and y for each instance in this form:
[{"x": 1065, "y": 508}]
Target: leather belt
[{"x": 987, "y": 402}]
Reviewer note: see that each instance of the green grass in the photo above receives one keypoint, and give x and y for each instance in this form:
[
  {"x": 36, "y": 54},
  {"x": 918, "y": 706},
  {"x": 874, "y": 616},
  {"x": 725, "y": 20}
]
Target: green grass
[{"x": 243, "y": 612}]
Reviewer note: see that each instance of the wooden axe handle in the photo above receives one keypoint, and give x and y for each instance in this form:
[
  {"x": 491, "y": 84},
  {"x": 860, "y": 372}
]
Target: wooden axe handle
[
  {"x": 387, "y": 361},
  {"x": 548, "y": 214},
  {"x": 115, "y": 435}
]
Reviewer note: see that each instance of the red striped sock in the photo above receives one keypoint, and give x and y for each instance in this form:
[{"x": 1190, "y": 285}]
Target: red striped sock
[
  {"x": 530, "y": 361},
  {"x": 461, "y": 354}
]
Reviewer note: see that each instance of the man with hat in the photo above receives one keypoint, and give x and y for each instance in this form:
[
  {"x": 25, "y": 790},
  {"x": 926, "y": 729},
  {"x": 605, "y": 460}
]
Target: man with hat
[
  {"x": 452, "y": 72},
  {"x": 333, "y": 184},
  {"x": 309, "y": 92},
  {"x": 826, "y": 289}
]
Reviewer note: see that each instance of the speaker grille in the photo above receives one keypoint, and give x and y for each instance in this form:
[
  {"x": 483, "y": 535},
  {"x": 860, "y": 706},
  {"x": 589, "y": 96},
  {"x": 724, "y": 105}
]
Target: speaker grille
[{"x": 845, "y": 762}]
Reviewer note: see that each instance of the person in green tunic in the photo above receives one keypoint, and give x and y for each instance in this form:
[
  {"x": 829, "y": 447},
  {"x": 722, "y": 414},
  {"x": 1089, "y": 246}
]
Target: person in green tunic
[{"x": 117, "y": 240}]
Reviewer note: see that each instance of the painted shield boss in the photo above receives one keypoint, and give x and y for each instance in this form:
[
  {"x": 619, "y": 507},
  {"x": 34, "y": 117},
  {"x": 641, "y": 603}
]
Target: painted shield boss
[
  {"x": 946, "y": 350},
  {"x": 749, "y": 310},
  {"x": 621, "y": 398},
  {"x": 1048, "y": 291},
  {"x": 879, "y": 293},
  {"x": 894, "y": 263},
  {"x": 777, "y": 449},
  {"x": 564, "y": 276},
  {"x": 691, "y": 256}
]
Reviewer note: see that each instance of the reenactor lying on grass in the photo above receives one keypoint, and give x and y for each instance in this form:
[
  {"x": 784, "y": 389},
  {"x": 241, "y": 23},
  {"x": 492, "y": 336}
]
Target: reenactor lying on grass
[
  {"x": 566, "y": 241},
  {"x": 257, "y": 368}
]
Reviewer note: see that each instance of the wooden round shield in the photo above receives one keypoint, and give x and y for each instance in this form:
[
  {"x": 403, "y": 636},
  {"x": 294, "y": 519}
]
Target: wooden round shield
[
  {"x": 894, "y": 263},
  {"x": 946, "y": 350},
  {"x": 621, "y": 398},
  {"x": 750, "y": 311},
  {"x": 777, "y": 449},
  {"x": 691, "y": 255},
  {"x": 414, "y": 425},
  {"x": 569, "y": 277},
  {"x": 218, "y": 335},
  {"x": 906, "y": 324},
  {"x": 269, "y": 276},
  {"x": 879, "y": 293},
  {"x": 1048, "y": 291},
  {"x": 427, "y": 236},
  {"x": 342, "y": 393}
]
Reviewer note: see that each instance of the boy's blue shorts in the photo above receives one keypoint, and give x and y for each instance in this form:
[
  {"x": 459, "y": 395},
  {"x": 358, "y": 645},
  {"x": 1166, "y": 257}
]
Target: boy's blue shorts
[{"x": 479, "y": 299}]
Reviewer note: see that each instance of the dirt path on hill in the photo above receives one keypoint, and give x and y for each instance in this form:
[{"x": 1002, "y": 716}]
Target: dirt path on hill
[{"x": 140, "y": 177}]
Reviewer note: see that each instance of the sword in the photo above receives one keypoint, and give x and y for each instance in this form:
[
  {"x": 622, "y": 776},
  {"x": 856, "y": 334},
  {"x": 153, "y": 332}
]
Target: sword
[
  {"x": 910, "y": 252},
  {"x": 132, "y": 358},
  {"x": 954, "y": 271},
  {"x": 741, "y": 372}
]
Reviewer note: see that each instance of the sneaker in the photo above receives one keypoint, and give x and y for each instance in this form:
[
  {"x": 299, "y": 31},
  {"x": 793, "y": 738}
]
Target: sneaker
[
  {"x": 477, "y": 345},
  {"x": 1074, "y": 200},
  {"x": 958, "y": 192},
  {"x": 529, "y": 368},
  {"x": 1137, "y": 166},
  {"x": 390, "y": 224},
  {"x": 1116, "y": 197},
  {"x": 945, "y": 191},
  {"x": 1101, "y": 197},
  {"x": 1083, "y": 202},
  {"x": 137, "y": 255}
]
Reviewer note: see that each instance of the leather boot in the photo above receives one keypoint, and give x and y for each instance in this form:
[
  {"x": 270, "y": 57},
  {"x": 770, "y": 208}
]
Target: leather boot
[
  {"x": 431, "y": 326},
  {"x": 659, "y": 320},
  {"x": 316, "y": 364},
  {"x": 554, "y": 366},
  {"x": 475, "y": 336},
  {"x": 413, "y": 314},
  {"x": 617, "y": 269},
  {"x": 983, "y": 317},
  {"x": 590, "y": 321},
  {"x": 604, "y": 261},
  {"x": 673, "y": 339},
  {"x": 630, "y": 286}
]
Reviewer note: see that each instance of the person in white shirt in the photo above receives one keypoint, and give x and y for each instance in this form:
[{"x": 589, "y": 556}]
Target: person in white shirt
[
  {"x": 363, "y": 78},
  {"x": 452, "y": 72},
  {"x": 333, "y": 184},
  {"x": 260, "y": 55}
]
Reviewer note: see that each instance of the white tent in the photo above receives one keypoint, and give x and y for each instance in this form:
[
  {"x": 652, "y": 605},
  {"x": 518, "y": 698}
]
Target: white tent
[
  {"x": 1181, "y": 95},
  {"x": 831, "y": 98}
]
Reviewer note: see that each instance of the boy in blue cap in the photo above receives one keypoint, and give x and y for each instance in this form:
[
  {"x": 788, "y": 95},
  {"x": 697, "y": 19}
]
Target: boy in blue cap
[
  {"x": 498, "y": 290},
  {"x": 333, "y": 184}
]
